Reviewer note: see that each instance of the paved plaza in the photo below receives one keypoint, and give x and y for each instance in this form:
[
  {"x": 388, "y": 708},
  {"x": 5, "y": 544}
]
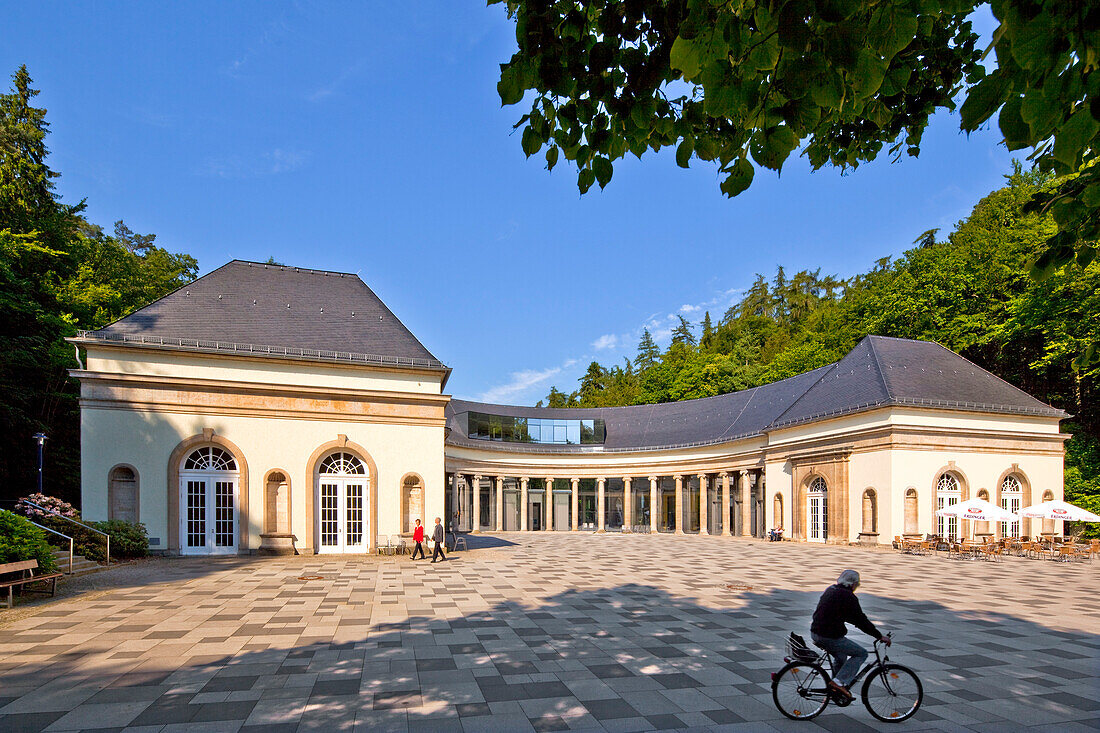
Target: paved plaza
[{"x": 545, "y": 632}]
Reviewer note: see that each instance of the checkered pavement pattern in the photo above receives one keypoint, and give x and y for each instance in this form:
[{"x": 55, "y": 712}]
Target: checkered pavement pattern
[{"x": 547, "y": 632}]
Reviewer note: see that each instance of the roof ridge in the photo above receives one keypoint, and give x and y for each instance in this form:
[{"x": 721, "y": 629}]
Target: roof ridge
[
  {"x": 869, "y": 338},
  {"x": 308, "y": 270},
  {"x": 798, "y": 399}
]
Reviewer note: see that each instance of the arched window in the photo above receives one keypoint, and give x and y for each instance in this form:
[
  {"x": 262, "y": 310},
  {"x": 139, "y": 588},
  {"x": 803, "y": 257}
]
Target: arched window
[
  {"x": 947, "y": 494},
  {"x": 341, "y": 464},
  {"x": 818, "y": 510},
  {"x": 210, "y": 459},
  {"x": 912, "y": 523},
  {"x": 1011, "y": 494},
  {"x": 122, "y": 494},
  {"x": 870, "y": 512}
]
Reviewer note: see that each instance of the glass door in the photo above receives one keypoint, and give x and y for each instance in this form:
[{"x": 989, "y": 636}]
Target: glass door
[{"x": 342, "y": 517}]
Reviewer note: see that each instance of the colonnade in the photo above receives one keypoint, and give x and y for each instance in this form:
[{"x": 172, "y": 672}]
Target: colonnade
[{"x": 714, "y": 501}]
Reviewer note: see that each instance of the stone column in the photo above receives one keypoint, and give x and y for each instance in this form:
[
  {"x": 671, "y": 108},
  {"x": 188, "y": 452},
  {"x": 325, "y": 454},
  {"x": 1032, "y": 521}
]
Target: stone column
[
  {"x": 746, "y": 509},
  {"x": 679, "y": 503},
  {"x": 727, "y": 525},
  {"x": 523, "y": 504},
  {"x": 653, "y": 504},
  {"x": 500, "y": 503},
  {"x": 704, "y": 505},
  {"x": 628, "y": 506},
  {"x": 548, "y": 509},
  {"x": 601, "y": 504},
  {"x": 575, "y": 484},
  {"x": 475, "y": 521}
]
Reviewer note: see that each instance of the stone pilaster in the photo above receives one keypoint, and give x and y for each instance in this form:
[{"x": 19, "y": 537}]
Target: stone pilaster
[
  {"x": 704, "y": 504},
  {"x": 574, "y": 483},
  {"x": 548, "y": 509},
  {"x": 601, "y": 504},
  {"x": 653, "y": 504},
  {"x": 679, "y": 503},
  {"x": 475, "y": 521},
  {"x": 628, "y": 506},
  {"x": 727, "y": 525},
  {"x": 523, "y": 525},
  {"x": 746, "y": 508},
  {"x": 499, "y": 484}
]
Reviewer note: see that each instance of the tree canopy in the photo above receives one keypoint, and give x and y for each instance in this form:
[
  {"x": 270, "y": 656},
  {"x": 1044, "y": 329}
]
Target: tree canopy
[
  {"x": 58, "y": 273},
  {"x": 747, "y": 83}
]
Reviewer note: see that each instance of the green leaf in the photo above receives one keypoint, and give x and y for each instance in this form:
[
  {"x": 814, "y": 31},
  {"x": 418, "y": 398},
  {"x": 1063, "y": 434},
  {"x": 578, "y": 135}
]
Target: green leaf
[
  {"x": 982, "y": 100},
  {"x": 891, "y": 30},
  {"x": 585, "y": 180},
  {"x": 770, "y": 148},
  {"x": 868, "y": 74},
  {"x": 684, "y": 152},
  {"x": 1040, "y": 114},
  {"x": 1071, "y": 141},
  {"x": 706, "y": 148},
  {"x": 510, "y": 87},
  {"x": 739, "y": 178},
  {"x": 531, "y": 142},
  {"x": 603, "y": 170},
  {"x": 1016, "y": 132},
  {"x": 551, "y": 157},
  {"x": 686, "y": 55}
]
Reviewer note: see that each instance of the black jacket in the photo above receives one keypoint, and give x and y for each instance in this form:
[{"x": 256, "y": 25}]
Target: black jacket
[
  {"x": 839, "y": 605},
  {"x": 437, "y": 533}
]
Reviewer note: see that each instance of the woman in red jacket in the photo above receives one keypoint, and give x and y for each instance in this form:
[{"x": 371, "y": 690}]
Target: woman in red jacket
[{"x": 418, "y": 538}]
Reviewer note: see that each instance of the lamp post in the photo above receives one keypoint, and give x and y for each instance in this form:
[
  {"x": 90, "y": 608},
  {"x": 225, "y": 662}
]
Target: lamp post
[{"x": 40, "y": 438}]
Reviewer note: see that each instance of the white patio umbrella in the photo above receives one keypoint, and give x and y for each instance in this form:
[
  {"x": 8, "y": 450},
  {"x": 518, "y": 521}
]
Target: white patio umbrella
[
  {"x": 979, "y": 510},
  {"x": 1059, "y": 510}
]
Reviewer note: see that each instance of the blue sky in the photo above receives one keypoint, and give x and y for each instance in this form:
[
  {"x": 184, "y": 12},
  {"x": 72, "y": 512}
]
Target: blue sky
[{"x": 368, "y": 137}]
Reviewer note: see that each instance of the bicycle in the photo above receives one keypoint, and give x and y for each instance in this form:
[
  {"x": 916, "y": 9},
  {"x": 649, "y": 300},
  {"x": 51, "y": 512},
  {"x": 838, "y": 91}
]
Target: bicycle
[{"x": 891, "y": 692}]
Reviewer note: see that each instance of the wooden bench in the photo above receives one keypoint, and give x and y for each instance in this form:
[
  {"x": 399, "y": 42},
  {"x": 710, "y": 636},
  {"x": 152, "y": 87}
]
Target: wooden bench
[{"x": 26, "y": 569}]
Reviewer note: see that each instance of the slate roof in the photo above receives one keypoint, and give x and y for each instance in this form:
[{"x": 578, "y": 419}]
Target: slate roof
[
  {"x": 878, "y": 372},
  {"x": 277, "y": 311}
]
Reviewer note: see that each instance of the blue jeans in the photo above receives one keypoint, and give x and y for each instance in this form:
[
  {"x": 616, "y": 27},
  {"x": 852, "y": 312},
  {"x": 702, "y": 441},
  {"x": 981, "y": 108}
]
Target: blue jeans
[{"x": 847, "y": 655}]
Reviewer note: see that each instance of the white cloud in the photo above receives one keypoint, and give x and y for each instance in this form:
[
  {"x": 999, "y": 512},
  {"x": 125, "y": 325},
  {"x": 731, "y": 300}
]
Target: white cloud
[
  {"x": 270, "y": 163},
  {"x": 688, "y": 308},
  {"x": 607, "y": 341},
  {"x": 520, "y": 382}
]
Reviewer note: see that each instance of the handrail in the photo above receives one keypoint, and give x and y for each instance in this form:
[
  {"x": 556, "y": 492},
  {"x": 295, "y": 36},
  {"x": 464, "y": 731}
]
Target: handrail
[
  {"x": 72, "y": 521},
  {"x": 70, "y": 539}
]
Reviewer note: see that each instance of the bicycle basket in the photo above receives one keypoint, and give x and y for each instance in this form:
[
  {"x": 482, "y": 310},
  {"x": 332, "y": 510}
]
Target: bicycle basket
[{"x": 798, "y": 650}]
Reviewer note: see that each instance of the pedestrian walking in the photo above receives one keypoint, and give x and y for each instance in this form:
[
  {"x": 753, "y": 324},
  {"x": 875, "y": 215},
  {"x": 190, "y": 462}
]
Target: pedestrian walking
[
  {"x": 437, "y": 538},
  {"x": 418, "y": 538}
]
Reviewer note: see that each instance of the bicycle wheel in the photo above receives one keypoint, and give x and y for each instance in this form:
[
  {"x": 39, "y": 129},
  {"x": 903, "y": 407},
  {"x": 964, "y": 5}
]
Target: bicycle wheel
[
  {"x": 799, "y": 690},
  {"x": 892, "y": 693}
]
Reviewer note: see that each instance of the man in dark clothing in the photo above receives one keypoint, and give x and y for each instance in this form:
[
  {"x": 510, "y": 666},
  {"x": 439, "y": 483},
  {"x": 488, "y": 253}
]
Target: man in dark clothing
[
  {"x": 838, "y": 606},
  {"x": 437, "y": 538}
]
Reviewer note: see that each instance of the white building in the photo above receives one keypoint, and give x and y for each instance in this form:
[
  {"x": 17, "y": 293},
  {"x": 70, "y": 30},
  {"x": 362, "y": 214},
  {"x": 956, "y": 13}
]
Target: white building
[{"x": 269, "y": 407}]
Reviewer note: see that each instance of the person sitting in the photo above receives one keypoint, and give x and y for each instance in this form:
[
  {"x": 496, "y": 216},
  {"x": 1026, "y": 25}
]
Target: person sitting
[
  {"x": 838, "y": 606},
  {"x": 775, "y": 534}
]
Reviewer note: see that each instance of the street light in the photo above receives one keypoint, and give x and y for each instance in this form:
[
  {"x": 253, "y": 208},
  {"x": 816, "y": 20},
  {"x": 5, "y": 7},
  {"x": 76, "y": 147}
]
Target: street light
[{"x": 40, "y": 438}]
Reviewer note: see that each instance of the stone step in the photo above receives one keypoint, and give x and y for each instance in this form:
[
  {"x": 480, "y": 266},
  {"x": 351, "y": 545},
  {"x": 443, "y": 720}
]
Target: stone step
[{"x": 81, "y": 564}]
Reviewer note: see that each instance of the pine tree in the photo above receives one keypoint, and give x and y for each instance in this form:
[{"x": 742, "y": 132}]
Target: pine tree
[
  {"x": 648, "y": 353},
  {"x": 708, "y": 331},
  {"x": 682, "y": 334}
]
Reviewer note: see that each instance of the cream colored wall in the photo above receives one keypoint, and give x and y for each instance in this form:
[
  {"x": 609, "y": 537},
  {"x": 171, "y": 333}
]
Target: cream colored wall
[
  {"x": 870, "y": 470},
  {"x": 778, "y": 480},
  {"x": 146, "y": 440},
  {"x": 272, "y": 371},
  {"x": 921, "y": 469}
]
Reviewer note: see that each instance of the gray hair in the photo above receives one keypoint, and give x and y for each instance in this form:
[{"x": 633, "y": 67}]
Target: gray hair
[{"x": 849, "y": 579}]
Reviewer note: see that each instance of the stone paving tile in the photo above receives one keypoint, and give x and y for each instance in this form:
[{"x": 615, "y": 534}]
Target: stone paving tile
[{"x": 611, "y": 633}]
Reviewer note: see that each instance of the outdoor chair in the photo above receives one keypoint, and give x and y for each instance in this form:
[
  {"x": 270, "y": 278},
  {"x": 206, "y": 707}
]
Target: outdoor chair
[
  {"x": 460, "y": 541},
  {"x": 1066, "y": 553},
  {"x": 400, "y": 547},
  {"x": 383, "y": 546},
  {"x": 991, "y": 551}
]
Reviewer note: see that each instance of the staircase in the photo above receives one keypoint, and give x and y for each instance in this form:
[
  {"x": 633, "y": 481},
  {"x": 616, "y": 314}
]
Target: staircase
[{"x": 81, "y": 565}]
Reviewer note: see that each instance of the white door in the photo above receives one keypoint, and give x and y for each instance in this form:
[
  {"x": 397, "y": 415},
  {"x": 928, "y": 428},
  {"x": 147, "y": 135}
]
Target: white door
[
  {"x": 818, "y": 511},
  {"x": 208, "y": 502},
  {"x": 342, "y": 524},
  {"x": 947, "y": 526}
]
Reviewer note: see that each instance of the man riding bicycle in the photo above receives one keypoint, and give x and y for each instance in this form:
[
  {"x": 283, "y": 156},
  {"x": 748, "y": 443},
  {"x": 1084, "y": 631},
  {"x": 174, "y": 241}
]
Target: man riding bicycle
[{"x": 838, "y": 606}]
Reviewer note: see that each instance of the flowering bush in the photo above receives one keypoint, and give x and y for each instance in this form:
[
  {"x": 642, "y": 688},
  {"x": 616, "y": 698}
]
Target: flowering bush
[{"x": 53, "y": 504}]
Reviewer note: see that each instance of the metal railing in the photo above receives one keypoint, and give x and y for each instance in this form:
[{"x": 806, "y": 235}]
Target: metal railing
[
  {"x": 70, "y": 539},
  {"x": 72, "y": 521}
]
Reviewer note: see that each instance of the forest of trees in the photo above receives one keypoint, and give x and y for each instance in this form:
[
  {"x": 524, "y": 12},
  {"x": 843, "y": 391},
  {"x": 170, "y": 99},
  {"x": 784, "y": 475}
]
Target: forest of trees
[
  {"x": 970, "y": 292},
  {"x": 58, "y": 273}
]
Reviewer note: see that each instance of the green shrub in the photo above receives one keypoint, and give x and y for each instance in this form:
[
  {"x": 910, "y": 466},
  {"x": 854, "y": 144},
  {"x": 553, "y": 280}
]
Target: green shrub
[
  {"x": 21, "y": 540},
  {"x": 128, "y": 539}
]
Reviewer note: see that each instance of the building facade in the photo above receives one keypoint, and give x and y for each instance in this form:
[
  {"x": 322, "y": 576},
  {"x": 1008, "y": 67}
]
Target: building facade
[{"x": 277, "y": 409}]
